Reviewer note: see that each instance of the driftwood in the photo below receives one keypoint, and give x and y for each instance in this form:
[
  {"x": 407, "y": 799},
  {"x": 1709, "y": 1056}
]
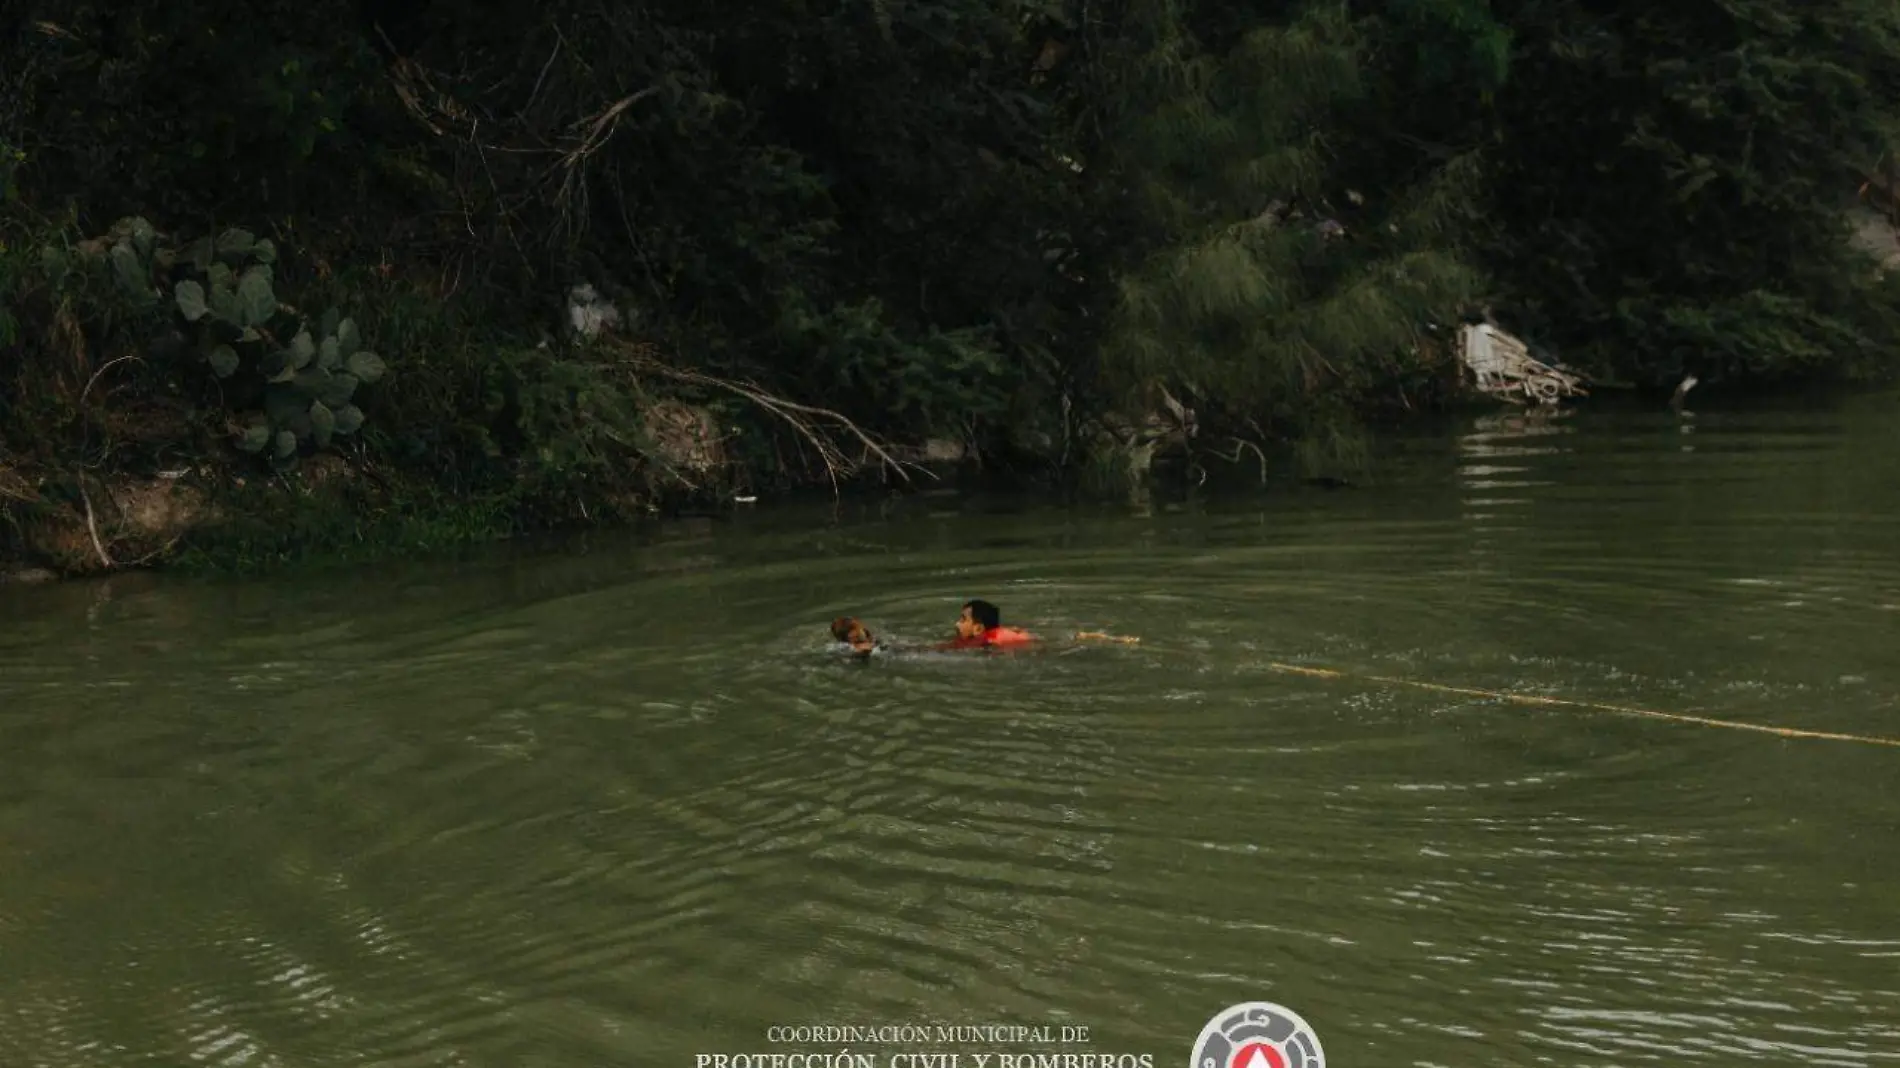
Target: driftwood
[{"x": 1502, "y": 367}]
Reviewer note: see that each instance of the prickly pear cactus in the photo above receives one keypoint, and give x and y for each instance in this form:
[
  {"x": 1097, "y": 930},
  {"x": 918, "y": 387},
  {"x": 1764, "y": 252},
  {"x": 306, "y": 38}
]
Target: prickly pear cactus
[
  {"x": 223, "y": 288},
  {"x": 309, "y": 386}
]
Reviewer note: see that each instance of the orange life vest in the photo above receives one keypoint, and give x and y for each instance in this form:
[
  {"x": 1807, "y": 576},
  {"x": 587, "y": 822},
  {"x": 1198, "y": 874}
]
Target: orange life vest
[
  {"x": 993, "y": 636},
  {"x": 1006, "y": 636}
]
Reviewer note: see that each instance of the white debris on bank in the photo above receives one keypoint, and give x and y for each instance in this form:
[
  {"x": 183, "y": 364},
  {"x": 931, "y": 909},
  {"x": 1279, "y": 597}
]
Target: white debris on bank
[
  {"x": 1502, "y": 367},
  {"x": 588, "y": 312}
]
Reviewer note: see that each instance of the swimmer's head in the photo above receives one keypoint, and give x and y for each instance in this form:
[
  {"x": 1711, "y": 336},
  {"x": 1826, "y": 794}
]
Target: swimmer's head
[
  {"x": 847, "y": 629},
  {"x": 977, "y": 617}
]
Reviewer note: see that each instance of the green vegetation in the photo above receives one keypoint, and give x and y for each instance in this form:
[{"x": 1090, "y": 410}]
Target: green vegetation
[{"x": 289, "y": 278}]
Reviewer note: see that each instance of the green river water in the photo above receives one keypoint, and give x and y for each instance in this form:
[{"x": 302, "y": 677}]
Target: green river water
[{"x": 622, "y": 805}]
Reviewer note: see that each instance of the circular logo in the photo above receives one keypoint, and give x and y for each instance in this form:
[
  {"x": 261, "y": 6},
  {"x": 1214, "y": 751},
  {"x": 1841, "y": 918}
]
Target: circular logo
[{"x": 1257, "y": 1034}]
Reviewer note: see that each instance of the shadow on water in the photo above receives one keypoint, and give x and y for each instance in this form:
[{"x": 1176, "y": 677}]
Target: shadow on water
[{"x": 622, "y": 804}]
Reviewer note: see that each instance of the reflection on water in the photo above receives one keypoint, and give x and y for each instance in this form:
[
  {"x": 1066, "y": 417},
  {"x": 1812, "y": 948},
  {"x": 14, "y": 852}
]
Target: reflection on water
[{"x": 621, "y": 805}]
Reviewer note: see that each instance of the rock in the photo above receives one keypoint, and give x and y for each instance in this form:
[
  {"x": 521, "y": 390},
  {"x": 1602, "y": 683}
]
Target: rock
[
  {"x": 325, "y": 469},
  {"x": 30, "y": 576},
  {"x": 943, "y": 451},
  {"x": 160, "y": 510}
]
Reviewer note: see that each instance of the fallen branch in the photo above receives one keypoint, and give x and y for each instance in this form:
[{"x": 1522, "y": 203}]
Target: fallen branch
[
  {"x": 156, "y": 553},
  {"x": 1501, "y": 366},
  {"x": 403, "y": 74},
  {"x": 601, "y": 126},
  {"x": 808, "y": 421}
]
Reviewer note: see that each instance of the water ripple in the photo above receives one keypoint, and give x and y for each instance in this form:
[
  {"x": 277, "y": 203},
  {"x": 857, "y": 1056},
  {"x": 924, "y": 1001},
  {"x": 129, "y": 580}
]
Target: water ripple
[{"x": 626, "y": 806}]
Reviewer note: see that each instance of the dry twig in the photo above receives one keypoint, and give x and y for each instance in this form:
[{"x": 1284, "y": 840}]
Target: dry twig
[{"x": 94, "y": 380}]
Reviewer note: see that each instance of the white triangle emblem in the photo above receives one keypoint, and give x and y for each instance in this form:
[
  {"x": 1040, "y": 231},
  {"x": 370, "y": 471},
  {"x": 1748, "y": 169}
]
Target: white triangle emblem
[{"x": 1258, "y": 1060}]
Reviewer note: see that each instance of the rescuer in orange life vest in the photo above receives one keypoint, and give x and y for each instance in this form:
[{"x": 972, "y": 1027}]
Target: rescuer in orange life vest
[{"x": 981, "y": 625}]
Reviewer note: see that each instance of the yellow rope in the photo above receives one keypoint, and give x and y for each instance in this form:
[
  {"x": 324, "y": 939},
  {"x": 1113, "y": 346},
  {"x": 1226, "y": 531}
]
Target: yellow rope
[
  {"x": 1529, "y": 699},
  {"x": 1621, "y": 710}
]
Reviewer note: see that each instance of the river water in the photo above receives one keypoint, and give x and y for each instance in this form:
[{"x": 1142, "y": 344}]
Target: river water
[{"x": 621, "y": 804}]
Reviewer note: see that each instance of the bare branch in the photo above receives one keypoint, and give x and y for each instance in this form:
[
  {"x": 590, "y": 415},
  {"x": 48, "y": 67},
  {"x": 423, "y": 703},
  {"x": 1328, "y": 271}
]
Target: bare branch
[
  {"x": 96, "y": 374},
  {"x": 92, "y": 527},
  {"x": 571, "y": 200},
  {"x": 1241, "y": 445},
  {"x": 814, "y": 425},
  {"x": 545, "y": 67}
]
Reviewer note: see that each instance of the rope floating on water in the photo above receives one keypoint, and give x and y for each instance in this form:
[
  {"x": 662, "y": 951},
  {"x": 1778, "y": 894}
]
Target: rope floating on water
[
  {"x": 1620, "y": 710},
  {"x": 1546, "y": 702}
]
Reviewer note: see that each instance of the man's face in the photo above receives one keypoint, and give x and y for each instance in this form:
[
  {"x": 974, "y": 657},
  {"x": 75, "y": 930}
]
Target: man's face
[{"x": 968, "y": 627}]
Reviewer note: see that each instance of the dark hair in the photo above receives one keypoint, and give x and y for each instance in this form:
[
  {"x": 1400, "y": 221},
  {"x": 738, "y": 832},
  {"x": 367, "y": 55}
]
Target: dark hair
[{"x": 985, "y": 613}]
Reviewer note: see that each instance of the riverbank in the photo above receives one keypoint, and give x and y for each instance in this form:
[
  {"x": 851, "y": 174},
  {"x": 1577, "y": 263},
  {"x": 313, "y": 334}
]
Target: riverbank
[
  {"x": 320, "y": 279},
  {"x": 174, "y": 407},
  {"x": 329, "y": 513},
  {"x": 233, "y": 402},
  {"x": 220, "y": 402}
]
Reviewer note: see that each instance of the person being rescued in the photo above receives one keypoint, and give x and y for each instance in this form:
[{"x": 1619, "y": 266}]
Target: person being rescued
[
  {"x": 980, "y": 626},
  {"x": 855, "y": 634}
]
